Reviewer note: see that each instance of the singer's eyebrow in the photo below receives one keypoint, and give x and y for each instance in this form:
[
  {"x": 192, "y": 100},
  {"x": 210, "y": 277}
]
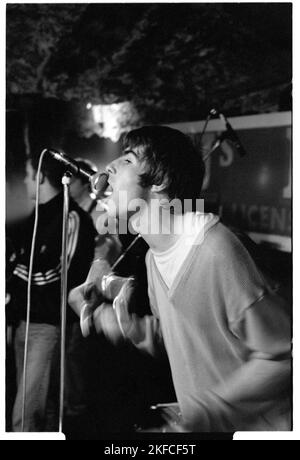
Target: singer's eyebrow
[{"x": 127, "y": 151}]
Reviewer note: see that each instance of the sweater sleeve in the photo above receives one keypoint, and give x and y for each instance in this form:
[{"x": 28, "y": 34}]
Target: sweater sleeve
[
  {"x": 250, "y": 392},
  {"x": 238, "y": 282},
  {"x": 257, "y": 316}
]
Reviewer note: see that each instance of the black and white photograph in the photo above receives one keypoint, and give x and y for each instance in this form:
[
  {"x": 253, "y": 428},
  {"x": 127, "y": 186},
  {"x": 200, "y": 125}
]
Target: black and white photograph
[{"x": 148, "y": 224}]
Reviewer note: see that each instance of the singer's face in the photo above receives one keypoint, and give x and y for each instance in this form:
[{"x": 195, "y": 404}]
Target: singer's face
[
  {"x": 30, "y": 181},
  {"x": 125, "y": 186}
]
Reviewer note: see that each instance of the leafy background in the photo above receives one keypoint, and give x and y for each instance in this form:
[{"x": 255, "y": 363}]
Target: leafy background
[{"x": 172, "y": 61}]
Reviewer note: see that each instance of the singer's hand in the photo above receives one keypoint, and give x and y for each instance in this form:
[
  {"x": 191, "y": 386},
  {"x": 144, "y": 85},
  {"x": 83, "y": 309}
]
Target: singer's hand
[
  {"x": 115, "y": 321},
  {"x": 105, "y": 322},
  {"x": 84, "y": 299},
  {"x": 85, "y": 294},
  {"x": 91, "y": 290},
  {"x": 76, "y": 298},
  {"x": 121, "y": 306}
]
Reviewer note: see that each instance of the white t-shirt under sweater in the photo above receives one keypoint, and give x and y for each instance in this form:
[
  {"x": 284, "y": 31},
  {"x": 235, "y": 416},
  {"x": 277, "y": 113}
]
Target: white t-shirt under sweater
[{"x": 170, "y": 261}]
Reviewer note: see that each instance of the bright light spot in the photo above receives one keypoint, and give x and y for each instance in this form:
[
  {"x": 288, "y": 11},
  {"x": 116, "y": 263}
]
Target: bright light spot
[
  {"x": 113, "y": 118},
  {"x": 264, "y": 176},
  {"x": 89, "y": 106}
]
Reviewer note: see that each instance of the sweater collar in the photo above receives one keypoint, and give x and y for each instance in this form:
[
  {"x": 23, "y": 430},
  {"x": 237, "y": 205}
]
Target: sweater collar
[{"x": 187, "y": 264}]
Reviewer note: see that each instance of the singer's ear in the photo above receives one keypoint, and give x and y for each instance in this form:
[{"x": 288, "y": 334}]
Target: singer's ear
[{"x": 160, "y": 188}]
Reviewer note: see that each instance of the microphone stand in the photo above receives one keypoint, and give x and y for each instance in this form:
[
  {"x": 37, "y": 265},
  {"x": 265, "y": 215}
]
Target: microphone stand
[
  {"x": 228, "y": 134},
  {"x": 217, "y": 143},
  {"x": 66, "y": 179},
  {"x": 219, "y": 140}
]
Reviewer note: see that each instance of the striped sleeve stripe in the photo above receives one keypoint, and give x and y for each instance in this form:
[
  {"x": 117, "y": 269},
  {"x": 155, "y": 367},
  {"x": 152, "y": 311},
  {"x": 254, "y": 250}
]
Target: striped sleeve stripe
[
  {"x": 24, "y": 269},
  {"x": 43, "y": 283},
  {"x": 73, "y": 231},
  {"x": 39, "y": 276},
  {"x": 54, "y": 274},
  {"x": 36, "y": 282}
]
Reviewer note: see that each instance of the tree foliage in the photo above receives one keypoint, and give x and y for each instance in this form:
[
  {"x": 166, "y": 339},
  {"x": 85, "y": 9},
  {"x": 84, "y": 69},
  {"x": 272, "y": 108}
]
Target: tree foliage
[
  {"x": 173, "y": 61},
  {"x": 34, "y": 33}
]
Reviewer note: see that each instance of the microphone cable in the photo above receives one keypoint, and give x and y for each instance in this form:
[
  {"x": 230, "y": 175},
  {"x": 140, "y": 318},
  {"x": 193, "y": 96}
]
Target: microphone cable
[{"x": 33, "y": 242}]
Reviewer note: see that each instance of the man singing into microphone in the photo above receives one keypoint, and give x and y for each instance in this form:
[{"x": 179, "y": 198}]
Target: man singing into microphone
[{"x": 224, "y": 327}]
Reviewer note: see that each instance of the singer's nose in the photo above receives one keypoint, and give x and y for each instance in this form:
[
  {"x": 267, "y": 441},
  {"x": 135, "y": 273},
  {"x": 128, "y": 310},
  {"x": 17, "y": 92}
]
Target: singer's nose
[{"x": 111, "y": 168}]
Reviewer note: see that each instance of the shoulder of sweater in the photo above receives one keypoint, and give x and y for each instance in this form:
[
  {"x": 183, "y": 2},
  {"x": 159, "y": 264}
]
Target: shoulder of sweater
[
  {"x": 222, "y": 241},
  {"x": 218, "y": 239}
]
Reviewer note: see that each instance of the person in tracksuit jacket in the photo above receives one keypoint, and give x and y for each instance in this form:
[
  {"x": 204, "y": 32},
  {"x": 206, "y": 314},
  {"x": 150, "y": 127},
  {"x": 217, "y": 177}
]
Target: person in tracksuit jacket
[{"x": 44, "y": 332}]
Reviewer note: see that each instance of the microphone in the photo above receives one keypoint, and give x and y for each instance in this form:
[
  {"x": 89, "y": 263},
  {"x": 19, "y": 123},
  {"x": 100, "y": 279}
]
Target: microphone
[
  {"x": 230, "y": 134},
  {"x": 99, "y": 181}
]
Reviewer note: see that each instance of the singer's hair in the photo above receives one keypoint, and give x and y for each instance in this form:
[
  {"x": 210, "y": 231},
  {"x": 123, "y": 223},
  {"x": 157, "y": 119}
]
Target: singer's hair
[
  {"x": 169, "y": 156},
  {"x": 51, "y": 168}
]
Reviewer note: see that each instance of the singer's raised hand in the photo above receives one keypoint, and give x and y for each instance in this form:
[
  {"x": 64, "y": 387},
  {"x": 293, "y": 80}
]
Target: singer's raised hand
[
  {"x": 115, "y": 320},
  {"x": 105, "y": 322},
  {"x": 84, "y": 299},
  {"x": 122, "y": 306}
]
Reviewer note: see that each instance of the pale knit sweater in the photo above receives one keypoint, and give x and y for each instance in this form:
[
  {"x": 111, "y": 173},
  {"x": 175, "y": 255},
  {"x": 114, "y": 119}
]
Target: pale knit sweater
[{"x": 227, "y": 337}]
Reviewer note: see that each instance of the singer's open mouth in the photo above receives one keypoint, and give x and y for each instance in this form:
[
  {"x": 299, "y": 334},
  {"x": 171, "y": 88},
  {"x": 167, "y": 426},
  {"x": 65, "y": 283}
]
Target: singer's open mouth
[
  {"x": 108, "y": 192},
  {"x": 105, "y": 198}
]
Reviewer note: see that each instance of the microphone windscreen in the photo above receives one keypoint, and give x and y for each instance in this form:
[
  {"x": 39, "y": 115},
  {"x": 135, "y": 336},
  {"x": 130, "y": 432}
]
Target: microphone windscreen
[{"x": 99, "y": 183}]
